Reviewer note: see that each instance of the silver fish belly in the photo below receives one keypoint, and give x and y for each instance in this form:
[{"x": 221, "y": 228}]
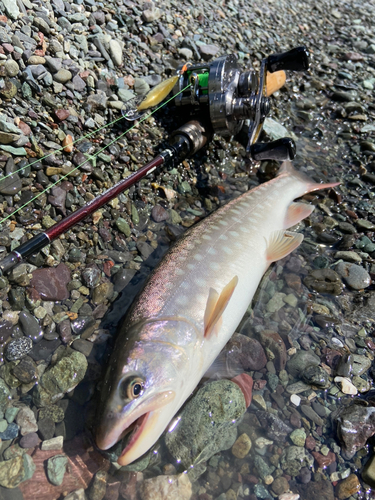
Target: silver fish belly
[{"x": 190, "y": 307}]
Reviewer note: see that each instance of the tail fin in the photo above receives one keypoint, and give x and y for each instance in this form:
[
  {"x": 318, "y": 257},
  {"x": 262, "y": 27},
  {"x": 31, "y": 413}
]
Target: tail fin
[{"x": 288, "y": 169}]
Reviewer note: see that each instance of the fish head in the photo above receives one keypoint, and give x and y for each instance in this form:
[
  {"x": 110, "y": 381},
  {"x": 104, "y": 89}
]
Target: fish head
[{"x": 141, "y": 392}]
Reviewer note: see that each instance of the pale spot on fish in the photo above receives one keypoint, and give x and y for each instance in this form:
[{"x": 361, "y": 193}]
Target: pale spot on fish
[
  {"x": 233, "y": 233},
  {"x": 200, "y": 281},
  {"x": 182, "y": 300},
  {"x": 180, "y": 272},
  {"x": 227, "y": 250},
  {"x": 198, "y": 256},
  {"x": 212, "y": 251},
  {"x": 190, "y": 266},
  {"x": 206, "y": 237},
  {"x": 223, "y": 222},
  {"x": 235, "y": 211},
  {"x": 214, "y": 265},
  {"x": 224, "y": 237}
]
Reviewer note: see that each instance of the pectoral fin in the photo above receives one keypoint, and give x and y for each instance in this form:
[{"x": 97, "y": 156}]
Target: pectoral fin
[
  {"x": 281, "y": 244},
  {"x": 215, "y": 307},
  {"x": 297, "y": 212}
]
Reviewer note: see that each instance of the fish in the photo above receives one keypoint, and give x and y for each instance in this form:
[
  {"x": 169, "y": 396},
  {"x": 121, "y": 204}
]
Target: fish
[{"x": 191, "y": 305}]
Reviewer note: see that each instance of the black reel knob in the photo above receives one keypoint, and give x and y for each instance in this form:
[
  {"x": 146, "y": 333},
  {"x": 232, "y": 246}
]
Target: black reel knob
[
  {"x": 280, "y": 150},
  {"x": 296, "y": 59}
]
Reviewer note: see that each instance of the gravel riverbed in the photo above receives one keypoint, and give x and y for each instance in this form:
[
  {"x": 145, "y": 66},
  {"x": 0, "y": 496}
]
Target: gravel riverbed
[{"x": 304, "y": 417}]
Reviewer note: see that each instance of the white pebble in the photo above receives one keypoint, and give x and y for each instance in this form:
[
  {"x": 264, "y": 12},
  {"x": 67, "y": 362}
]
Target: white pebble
[
  {"x": 334, "y": 477},
  {"x": 336, "y": 342},
  {"x": 289, "y": 496},
  {"x": 346, "y": 386},
  {"x": 55, "y": 443},
  {"x": 262, "y": 442},
  {"x": 295, "y": 399}
]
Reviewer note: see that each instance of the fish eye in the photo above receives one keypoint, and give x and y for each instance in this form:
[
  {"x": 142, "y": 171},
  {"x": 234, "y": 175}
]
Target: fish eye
[{"x": 132, "y": 388}]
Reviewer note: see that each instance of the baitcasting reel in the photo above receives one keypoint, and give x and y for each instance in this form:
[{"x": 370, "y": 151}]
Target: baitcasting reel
[{"x": 222, "y": 98}]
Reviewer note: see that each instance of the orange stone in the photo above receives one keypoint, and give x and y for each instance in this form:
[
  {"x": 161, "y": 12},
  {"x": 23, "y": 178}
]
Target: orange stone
[
  {"x": 347, "y": 487},
  {"x": 68, "y": 144},
  {"x": 26, "y": 130}
]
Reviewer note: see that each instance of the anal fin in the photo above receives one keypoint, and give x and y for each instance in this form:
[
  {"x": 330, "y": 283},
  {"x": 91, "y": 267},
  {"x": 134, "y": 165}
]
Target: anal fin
[
  {"x": 281, "y": 244},
  {"x": 297, "y": 212},
  {"x": 215, "y": 307}
]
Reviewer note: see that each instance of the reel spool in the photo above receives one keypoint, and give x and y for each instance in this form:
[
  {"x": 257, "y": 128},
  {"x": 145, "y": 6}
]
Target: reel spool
[{"x": 229, "y": 97}]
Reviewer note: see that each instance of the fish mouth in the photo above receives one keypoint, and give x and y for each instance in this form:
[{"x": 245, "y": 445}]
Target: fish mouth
[{"x": 133, "y": 432}]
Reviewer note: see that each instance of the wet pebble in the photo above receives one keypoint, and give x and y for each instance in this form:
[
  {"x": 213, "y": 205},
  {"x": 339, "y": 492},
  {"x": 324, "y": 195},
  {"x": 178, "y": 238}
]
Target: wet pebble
[
  {"x": 315, "y": 375},
  {"x": 348, "y": 487},
  {"x": 166, "y": 487},
  {"x": 324, "y": 281},
  {"x": 18, "y": 348},
  {"x": 56, "y": 468},
  {"x": 246, "y": 351},
  {"x": 26, "y": 421},
  {"x": 29, "y": 440},
  {"x": 241, "y": 446},
  {"x": 11, "y": 432},
  {"x": 30, "y": 326},
  {"x": 355, "y": 276},
  {"x": 51, "y": 283},
  {"x": 355, "y": 424}
]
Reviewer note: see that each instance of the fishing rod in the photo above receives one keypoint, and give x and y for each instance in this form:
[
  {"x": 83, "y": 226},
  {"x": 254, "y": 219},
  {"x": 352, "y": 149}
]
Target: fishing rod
[{"x": 220, "y": 99}]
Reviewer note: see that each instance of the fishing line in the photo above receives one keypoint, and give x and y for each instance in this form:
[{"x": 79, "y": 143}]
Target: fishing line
[
  {"x": 90, "y": 157},
  {"x": 63, "y": 147}
]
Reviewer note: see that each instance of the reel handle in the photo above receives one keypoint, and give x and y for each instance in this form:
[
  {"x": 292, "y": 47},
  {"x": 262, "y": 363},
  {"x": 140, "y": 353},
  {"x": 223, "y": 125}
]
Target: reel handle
[
  {"x": 280, "y": 150},
  {"x": 296, "y": 59}
]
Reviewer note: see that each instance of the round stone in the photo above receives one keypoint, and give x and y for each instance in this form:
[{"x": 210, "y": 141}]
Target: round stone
[
  {"x": 18, "y": 348},
  {"x": 62, "y": 76},
  {"x": 241, "y": 446},
  {"x": 11, "y": 68},
  {"x": 355, "y": 276}
]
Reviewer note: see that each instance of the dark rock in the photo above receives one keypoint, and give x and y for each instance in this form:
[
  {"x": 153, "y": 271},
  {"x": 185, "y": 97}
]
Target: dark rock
[
  {"x": 355, "y": 424},
  {"x": 91, "y": 276},
  {"x": 122, "y": 278},
  {"x": 274, "y": 427},
  {"x": 144, "y": 249},
  {"x": 297, "y": 364},
  {"x": 30, "y": 326},
  {"x": 51, "y": 282},
  {"x": 29, "y": 440},
  {"x": 159, "y": 214},
  {"x": 320, "y": 490},
  {"x": 26, "y": 370},
  {"x": 246, "y": 351},
  {"x": 44, "y": 349},
  {"x": 11, "y": 432},
  {"x": 324, "y": 281},
  {"x": 64, "y": 329},
  {"x": 83, "y": 346},
  {"x": 316, "y": 375},
  {"x": 6, "y": 329},
  {"x": 46, "y": 428},
  {"x": 275, "y": 344}
]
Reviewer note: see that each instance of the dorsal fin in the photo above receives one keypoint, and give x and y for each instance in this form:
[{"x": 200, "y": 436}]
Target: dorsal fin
[{"x": 215, "y": 307}]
